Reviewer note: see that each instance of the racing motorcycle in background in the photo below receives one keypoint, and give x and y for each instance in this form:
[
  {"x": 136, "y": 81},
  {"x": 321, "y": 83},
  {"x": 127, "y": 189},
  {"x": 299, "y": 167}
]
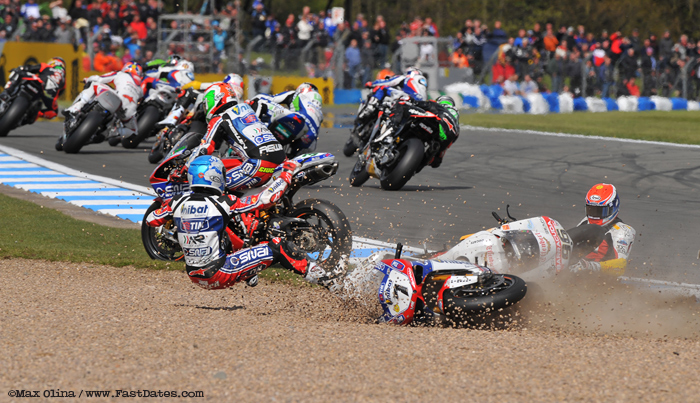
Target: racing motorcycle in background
[
  {"x": 537, "y": 246},
  {"x": 152, "y": 109},
  {"x": 394, "y": 157},
  {"x": 23, "y": 101},
  {"x": 362, "y": 129},
  {"x": 296, "y": 129},
  {"x": 169, "y": 135},
  {"x": 97, "y": 120},
  {"x": 315, "y": 226},
  {"x": 425, "y": 291}
]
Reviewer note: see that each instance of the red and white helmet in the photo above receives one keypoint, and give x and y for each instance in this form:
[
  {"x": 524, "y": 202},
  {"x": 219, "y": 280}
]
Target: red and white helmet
[
  {"x": 135, "y": 70},
  {"x": 602, "y": 204},
  {"x": 216, "y": 97},
  {"x": 236, "y": 82}
]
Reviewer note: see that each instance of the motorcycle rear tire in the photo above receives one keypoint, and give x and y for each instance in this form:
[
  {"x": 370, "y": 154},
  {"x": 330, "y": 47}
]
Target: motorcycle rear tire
[
  {"x": 410, "y": 157},
  {"x": 146, "y": 123},
  {"x": 81, "y": 135},
  {"x": 359, "y": 174},
  {"x": 13, "y": 116},
  {"x": 336, "y": 225},
  {"x": 158, "y": 249},
  {"x": 349, "y": 148},
  {"x": 458, "y": 303}
]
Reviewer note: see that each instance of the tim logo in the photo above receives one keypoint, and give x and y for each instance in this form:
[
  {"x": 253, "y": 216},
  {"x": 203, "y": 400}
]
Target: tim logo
[
  {"x": 194, "y": 225},
  {"x": 194, "y": 209}
]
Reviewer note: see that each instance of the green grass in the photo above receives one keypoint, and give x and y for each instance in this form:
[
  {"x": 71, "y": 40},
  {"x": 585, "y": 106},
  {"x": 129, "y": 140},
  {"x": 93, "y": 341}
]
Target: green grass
[
  {"x": 34, "y": 232},
  {"x": 675, "y": 127}
]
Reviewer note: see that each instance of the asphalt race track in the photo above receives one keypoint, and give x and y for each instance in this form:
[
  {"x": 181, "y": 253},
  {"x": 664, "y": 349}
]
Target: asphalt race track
[{"x": 482, "y": 172}]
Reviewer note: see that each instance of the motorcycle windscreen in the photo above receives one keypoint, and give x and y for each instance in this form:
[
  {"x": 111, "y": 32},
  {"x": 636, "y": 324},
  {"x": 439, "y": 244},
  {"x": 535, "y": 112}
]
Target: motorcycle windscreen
[{"x": 522, "y": 248}]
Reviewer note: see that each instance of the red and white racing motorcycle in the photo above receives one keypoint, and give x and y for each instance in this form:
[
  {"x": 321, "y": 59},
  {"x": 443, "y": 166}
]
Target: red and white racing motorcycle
[{"x": 537, "y": 246}]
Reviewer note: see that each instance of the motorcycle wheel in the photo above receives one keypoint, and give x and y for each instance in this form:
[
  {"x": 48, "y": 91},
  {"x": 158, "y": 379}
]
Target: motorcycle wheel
[
  {"x": 461, "y": 302},
  {"x": 409, "y": 159},
  {"x": 81, "y": 135},
  {"x": 331, "y": 239},
  {"x": 359, "y": 174},
  {"x": 158, "y": 247},
  {"x": 146, "y": 123},
  {"x": 349, "y": 148},
  {"x": 157, "y": 151},
  {"x": 114, "y": 141},
  {"x": 13, "y": 116}
]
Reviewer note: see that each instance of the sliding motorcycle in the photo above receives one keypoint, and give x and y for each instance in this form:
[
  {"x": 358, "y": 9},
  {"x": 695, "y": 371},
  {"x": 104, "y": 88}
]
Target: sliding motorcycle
[
  {"x": 431, "y": 290},
  {"x": 317, "y": 227}
]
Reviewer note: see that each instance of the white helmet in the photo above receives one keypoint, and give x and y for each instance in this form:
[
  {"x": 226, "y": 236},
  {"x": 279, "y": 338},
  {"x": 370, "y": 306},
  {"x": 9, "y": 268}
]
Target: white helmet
[{"x": 185, "y": 65}]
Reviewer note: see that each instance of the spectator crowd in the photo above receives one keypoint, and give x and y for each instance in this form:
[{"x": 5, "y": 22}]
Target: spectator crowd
[{"x": 540, "y": 59}]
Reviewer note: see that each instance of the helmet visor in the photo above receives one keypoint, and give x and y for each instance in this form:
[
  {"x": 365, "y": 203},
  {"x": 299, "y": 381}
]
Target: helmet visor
[{"x": 597, "y": 212}]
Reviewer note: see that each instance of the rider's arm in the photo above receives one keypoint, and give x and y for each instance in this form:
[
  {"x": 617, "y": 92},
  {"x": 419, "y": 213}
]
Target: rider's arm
[
  {"x": 162, "y": 215},
  {"x": 283, "y": 98},
  {"x": 103, "y": 79},
  {"x": 389, "y": 82}
]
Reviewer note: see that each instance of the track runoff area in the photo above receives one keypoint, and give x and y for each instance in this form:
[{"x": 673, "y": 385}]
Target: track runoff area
[{"x": 536, "y": 173}]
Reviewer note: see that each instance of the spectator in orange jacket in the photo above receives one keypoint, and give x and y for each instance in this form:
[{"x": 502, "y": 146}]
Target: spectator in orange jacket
[
  {"x": 106, "y": 62},
  {"x": 386, "y": 72},
  {"x": 459, "y": 60},
  {"x": 550, "y": 40}
]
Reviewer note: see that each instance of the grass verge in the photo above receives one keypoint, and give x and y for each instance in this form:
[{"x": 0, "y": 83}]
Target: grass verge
[
  {"x": 674, "y": 127},
  {"x": 31, "y": 231}
]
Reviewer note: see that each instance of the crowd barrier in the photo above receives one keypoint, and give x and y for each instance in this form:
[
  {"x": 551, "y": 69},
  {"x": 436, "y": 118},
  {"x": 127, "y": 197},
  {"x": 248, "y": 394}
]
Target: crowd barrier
[{"x": 491, "y": 97}]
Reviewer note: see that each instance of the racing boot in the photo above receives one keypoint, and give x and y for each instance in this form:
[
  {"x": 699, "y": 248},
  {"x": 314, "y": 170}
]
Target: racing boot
[
  {"x": 172, "y": 118},
  {"x": 291, "y": 258}
]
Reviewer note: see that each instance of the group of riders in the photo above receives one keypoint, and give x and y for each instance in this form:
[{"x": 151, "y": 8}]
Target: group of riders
[{"x": 211, "y": 204}]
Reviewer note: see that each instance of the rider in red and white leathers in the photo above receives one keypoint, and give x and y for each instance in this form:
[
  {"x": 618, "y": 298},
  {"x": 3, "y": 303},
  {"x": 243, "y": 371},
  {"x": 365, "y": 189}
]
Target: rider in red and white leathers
[
  {"x": 127, "y": 85},
  {"x": 235, "y": 122},
  {"x": 602, "y": 208},
  {"x": 202, "y": 218}
]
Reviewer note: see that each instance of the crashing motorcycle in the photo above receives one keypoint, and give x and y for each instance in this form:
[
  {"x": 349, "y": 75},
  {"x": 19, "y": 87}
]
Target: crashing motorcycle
[
  {"x": 297, "y": 129},
  {"x": 394, "y": 157},
  {"x": 21, "y": 102},
  {"x": 317, "y": 227},
  {"x": 537, "y": 246},
  {"x": 97, "y": 120},
  {"x": 429, "y": 291},
  {"x": 151, "y": 110}
]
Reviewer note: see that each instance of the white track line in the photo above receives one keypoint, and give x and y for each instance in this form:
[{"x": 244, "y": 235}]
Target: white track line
[{"x": 581, "y": 136}]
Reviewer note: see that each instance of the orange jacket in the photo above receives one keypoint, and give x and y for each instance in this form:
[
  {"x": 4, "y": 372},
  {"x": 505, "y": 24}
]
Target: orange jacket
[{"x": 550, "y": 43}]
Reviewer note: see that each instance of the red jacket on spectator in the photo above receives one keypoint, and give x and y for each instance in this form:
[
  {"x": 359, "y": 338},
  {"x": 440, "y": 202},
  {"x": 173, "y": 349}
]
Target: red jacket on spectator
[
  {"x": 126, "y": 9},
  {"x": 615, "y": 42},
  {"x": 104, "y": 7},
  {"x": 501, "y": 69},
  {"x": 140, "y": 29}
]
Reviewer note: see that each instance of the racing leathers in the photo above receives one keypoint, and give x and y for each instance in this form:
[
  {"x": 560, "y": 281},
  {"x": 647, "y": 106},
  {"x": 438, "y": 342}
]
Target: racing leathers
[
  {"x": 250, "y": 140},
  {"x": 201, "y": 220},
  {"x": 386, "y": 90},
  {"x": 294, "y": 120},
  {"x": 54, "y": 82},
  {"x": 445, "y": 128},
  {"x": 612, "y": 254},
  {"x": 128, "y": 90}
]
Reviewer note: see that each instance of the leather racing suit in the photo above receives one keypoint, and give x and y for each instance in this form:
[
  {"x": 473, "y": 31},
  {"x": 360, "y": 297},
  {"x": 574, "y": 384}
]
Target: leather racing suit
[
  {"x": 250, "y": 140},
  {"x": 202, "y": 219},
  {"x": 612, "y": 254},
  {"x": 54, "y": 83}
]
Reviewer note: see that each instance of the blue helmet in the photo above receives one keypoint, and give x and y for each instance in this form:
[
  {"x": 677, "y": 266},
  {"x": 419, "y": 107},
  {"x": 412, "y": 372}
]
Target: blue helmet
[{"x": 207, "y": 172}]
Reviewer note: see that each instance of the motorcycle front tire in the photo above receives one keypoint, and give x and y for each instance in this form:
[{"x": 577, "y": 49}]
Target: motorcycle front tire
[
  {"x": 81, "y": 135},
  {"x": 157, "y": 151},
  {"x": 158, "y": 249},
  {"x": 146, "y": 123},
  {"x": 359, "y": 174},
  {"x": 13, "y": 116},
  {"x": 349, "y": 148},
  {"x": 410, "y": 157}
]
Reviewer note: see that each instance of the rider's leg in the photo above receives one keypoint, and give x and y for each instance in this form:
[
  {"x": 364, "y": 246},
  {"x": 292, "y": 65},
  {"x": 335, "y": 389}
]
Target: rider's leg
[
  {"x": 293, "y": 259},
  {"x": 129, "y": 106},
  {"x": 84, "y": 97},
  {"x": 239, "y": 266},
  {"x": 253, "y": 171}
]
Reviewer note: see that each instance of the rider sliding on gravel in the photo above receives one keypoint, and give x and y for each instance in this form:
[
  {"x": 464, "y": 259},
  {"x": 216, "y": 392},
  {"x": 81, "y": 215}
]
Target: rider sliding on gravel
[
  {"x": 202, "y": 218},
  {"x": 602, "y": 208}
]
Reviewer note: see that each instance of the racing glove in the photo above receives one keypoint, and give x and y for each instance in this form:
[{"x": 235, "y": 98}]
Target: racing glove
[
  {"x": 289, "y": 168},
  {"x": 47, "y": 114}
]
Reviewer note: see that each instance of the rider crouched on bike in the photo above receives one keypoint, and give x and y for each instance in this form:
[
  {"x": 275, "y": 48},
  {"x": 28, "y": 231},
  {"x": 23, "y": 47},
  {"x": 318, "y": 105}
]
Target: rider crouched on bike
[
  {"x": 189, "y": 98},
  {"x": 53, "y": 77},
  {"x": 413, "y": 84},
  {"x": 445, "y": 129},
  {"x": 127, "y": 85},
  {"x": 602, "y": 208},
  {"x": 235, "y": 122},
  {"x": 202, "y": 217},
  {"x": 270, "y": 108}
]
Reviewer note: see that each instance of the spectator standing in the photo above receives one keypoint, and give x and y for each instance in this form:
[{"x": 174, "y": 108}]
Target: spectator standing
[
  {"x": 353, "y": 60},
  {"x": 648, "y": 68},
  {"x": 510, "y": 86},
  {"x": 628, "y": 64},
  {"x": 665, "y": 49},
  {"x": 386, "y": 72},
  {"x": 138, "y": 26},
  {"x": 304, "y": 30},
  {"x": 367, "y": 61},
  {"x": 550, "y": 41},
  {"x": 380, "y": 40},
  {"x": 575, "y": 73},
  {"x": 556, "y": 69},
  {"x": 259, "y": 20},
  {"x": 606, "y": 77},
  {"x": 30, "y": 10},
  {"x": 63, "y": 32}
]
